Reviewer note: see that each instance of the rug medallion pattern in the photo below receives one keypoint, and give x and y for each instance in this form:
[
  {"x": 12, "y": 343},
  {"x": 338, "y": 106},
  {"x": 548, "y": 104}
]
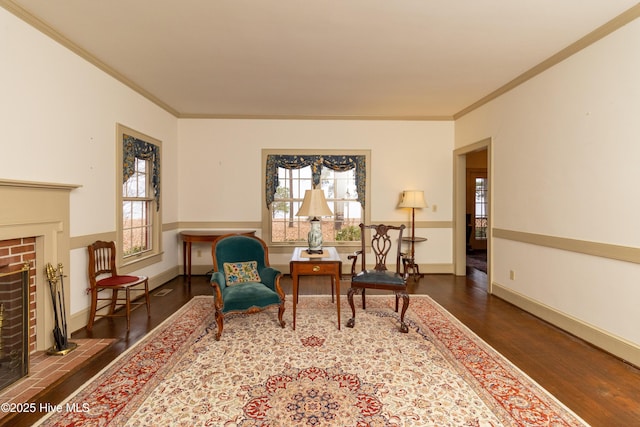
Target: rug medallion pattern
[{"x": 258, "y": 374}]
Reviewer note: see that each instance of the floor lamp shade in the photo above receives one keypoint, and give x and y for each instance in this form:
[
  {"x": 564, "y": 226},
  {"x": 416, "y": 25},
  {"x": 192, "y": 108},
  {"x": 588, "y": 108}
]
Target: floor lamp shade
[
  {"x": 314, "y": 206},
  {"x": 412, "y": 199}
]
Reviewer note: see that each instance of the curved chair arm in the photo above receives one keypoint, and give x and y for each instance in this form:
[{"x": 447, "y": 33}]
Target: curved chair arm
[
  {"x": 218, "y": 283},
  {"x": 268, "y": 276},
  {"x": 354, "y": 259},
  {"x": 218, "y": 278}
]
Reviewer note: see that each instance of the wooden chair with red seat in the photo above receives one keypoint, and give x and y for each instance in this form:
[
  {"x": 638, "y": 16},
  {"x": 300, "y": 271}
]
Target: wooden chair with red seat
[{"x": 103, "y": 276}]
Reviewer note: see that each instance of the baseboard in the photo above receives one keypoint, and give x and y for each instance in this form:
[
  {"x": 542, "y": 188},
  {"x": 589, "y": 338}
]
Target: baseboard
[
  {"x": 436, "y": 268},
  {"x": 610, "y": 343},
  {"x": 79, "y": 319},
  {"x": 197, "y": 270}
]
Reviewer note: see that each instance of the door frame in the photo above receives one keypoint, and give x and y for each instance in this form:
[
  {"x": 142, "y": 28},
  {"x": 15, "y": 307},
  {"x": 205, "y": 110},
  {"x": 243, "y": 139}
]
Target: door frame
[{"x": 459, "y": 207}]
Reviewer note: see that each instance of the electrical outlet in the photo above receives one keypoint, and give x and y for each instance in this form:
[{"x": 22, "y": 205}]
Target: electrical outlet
[
  {"x": 434, "y": 208},
  {"x": 199, "y": 253},
  {"x": 512, "y": 274}
]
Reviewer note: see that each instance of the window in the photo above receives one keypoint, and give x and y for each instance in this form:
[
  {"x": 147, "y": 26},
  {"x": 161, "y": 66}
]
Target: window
[
  {"x": 138, "y": 195},
  {"x": 342, "y": 176},
  {"x": 137, "y": 223},
  {"x": 480, "y": 211}
]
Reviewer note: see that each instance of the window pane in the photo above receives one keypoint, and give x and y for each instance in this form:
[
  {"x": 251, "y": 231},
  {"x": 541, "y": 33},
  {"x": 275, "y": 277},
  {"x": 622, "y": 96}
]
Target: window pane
[
  {"x": 136, "y": 218},
  {"x": 136, "y": 226},
  {"x": 481, "y": 209},
  {"x": 136, "y": 185},
  {"x": 341, "y": 194}
]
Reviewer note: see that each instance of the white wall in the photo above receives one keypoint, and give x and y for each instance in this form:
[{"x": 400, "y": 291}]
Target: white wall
[
  {"x": 224, "y": 158},
  {"x": 58, "y": 118},
  {"x": 59, "y": 113},
  {"x": 565, "y": 162}
]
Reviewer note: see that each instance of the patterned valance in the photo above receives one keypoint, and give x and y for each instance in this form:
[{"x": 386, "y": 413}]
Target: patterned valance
[
  {"x": 316, "y": 161},
  {"x": 133, "y": 149}
]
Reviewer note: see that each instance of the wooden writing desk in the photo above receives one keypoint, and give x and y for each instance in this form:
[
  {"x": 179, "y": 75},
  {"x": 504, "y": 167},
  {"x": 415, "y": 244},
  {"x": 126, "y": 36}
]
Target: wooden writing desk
[{"x": 190, "y": 236}]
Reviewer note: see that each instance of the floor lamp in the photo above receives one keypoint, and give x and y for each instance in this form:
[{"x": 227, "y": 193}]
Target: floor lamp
[{"x": 413, "y": 199}]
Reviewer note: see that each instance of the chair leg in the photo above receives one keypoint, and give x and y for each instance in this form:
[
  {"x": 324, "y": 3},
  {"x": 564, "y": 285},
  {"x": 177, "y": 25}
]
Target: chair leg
[
  {"x": 364, "y": 304},
  {"x": 147, "y": 298},
  {"x": 405, "y": 304},
  {"x": 220, "y": 323},
  {"x": 280, "y": 314},
  {"x": 128, "y": 308},
  {"x": 114, "y": 300},
  {"x": 92, "y": 312},
  {"x": 351, "y": 322}
]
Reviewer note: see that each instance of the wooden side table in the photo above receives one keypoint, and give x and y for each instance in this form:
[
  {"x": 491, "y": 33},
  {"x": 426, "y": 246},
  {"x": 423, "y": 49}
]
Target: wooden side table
[
  {"x": 409, "y": 262},
  {"x": 190, "y": 236},
  {"x": 326, "y": 264}
]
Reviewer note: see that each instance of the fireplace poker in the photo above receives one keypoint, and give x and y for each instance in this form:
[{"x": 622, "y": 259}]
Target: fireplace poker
[
  {"x": 57, "y": 333},
  {"x": 63, "y": 311}
]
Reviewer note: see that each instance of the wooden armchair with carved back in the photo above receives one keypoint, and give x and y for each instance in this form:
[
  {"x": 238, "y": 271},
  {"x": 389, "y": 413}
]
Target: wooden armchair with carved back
[{"x": 378, "y": 277}]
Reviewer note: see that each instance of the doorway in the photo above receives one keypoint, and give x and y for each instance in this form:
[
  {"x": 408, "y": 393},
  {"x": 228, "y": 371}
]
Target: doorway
[
  {"x": 476, "y": 209},
  {"x": 472, "y": 236}
]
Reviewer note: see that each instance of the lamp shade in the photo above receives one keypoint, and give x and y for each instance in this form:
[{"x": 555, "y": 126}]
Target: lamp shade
[
  {"x": 412, "y": 199},
  {"x": 314, "y": 204}
]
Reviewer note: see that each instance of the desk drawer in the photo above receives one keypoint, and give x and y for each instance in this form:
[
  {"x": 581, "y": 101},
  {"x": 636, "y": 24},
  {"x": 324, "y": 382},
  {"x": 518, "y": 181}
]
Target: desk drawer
[{"x": 316, "y": 268}]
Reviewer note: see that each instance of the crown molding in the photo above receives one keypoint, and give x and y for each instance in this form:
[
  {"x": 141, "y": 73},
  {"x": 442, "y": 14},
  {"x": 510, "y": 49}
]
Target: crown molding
[{"x": 586, "y": 41}]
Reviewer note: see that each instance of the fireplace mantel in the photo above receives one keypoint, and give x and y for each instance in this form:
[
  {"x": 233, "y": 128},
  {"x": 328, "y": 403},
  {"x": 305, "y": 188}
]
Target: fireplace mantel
[
  {"x": 40, "y": 210},
  {"x": 35, "y": 184}
]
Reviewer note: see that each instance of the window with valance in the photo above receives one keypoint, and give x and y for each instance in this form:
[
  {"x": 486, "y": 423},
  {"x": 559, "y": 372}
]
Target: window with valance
[
  {"x": 134, "y": 148},
  {"x": 316, "y": 162},
  {"x": 341, "y": 175},
  {"x": 139, "y": 227}
]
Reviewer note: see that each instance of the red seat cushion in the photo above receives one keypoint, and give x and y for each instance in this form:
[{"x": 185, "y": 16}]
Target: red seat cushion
[{"x": 117, "y": 280}]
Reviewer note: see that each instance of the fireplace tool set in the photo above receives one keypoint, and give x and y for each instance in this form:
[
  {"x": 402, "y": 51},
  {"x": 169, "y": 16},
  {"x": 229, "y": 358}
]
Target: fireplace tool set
[{"x": 62, "y": 345}]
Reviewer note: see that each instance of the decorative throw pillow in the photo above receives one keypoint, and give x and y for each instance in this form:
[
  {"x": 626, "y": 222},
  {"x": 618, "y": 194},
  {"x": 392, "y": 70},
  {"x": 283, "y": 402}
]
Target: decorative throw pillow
[{"x": 239, "y": 272}]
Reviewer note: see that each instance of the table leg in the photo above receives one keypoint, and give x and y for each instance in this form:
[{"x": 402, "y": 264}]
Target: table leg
[
  {"x": 294, "y": 277},
  {"x": 338, "y": 296},
  {"x": 184, "y": 257},
  {"x": 332, "y": 288},
  {"x": 188, "y": 266}
]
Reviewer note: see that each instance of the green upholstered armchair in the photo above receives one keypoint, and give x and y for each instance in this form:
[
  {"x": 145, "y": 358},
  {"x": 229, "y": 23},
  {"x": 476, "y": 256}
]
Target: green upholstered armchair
[{"x": 243, "y": 281}]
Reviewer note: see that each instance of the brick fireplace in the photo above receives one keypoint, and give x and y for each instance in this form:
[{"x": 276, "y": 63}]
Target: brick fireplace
[
  {"x": 15, "y": 309},
  {"x": 34, "y": 228},
  {"x": 14, "y": 255}
]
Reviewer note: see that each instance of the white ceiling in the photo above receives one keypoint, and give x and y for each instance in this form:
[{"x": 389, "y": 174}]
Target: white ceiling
[{"x": 331, "y": 58}]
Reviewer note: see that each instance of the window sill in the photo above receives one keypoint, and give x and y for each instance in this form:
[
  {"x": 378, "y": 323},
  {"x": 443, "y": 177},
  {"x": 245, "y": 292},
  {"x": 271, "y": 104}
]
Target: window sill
[{"x": 131, "y": 265}]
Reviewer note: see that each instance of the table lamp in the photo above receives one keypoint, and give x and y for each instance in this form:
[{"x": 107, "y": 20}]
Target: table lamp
[
  {"x": 413, "y": 199},
  {"x": 314, "y": 206}
]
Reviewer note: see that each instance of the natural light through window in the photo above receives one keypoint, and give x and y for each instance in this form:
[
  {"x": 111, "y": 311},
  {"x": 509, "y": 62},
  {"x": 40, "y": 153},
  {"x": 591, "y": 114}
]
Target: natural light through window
[
  {"x": 136, "y": 206},
  {"x": 138, "y": 196},
  {"x": 343, "y": 177},
  {"x": 342, "y": 198},
  {"x": 481, "y": 209}
]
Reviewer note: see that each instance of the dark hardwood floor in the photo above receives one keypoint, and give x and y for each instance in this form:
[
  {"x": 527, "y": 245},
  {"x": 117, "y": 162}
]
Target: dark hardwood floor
[{"x": 600, "y": 388}]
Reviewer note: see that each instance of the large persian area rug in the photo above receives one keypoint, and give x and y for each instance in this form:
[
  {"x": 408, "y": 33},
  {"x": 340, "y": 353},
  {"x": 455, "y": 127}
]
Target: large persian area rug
[{"x": 258, "y": 374}]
